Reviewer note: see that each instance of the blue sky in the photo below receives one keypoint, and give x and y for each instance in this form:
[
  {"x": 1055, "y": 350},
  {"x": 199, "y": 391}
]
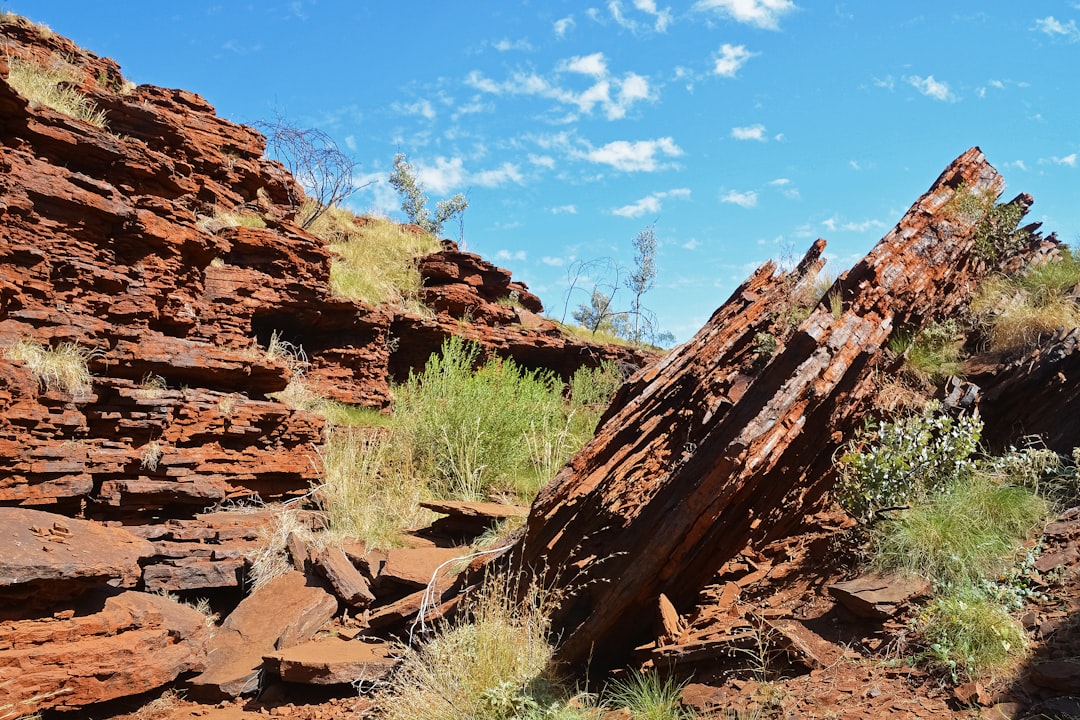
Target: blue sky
[{"x": 741, "y": 129}]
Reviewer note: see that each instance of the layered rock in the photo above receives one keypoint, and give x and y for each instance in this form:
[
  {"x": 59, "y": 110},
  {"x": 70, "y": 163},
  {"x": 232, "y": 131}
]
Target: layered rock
[{"x": 717, "y": 447}]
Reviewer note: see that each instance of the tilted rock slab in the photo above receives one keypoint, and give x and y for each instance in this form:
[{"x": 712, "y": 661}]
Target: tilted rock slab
[
  {"x": 715, "y": 447},
  {"x": 135, "y": 643},
  {"x": 285, "y": 612}
]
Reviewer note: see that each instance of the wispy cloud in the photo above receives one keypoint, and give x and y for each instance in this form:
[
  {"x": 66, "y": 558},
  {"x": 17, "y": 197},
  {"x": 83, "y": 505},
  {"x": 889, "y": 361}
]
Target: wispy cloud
[
  {"x": 650, "y": 203},
  {"x": 564, "y": 210},
  {"x": 759, "y": 13},
  {"x": 552, "y": 261},
  {"x": 544, "y": 161},
  {"x": 730, "y": 59},
  {"x": 746, "y": 199},
  {"x": 661, "y": 19},
  {"x": 448, "y": 174},
  {"x": 506, "y": 45},
  {"x": 1069, "y": 160},
  {"x": 240, "y": 49},
  {"x": 1053, "y": 27},
  {"x": 750, "y": 132},
  {"x": 511, "y": 255},
  {"x": 931, "y": 88},
  {"x": 424, "y": 108},
  {"x": 615, "y": 95},
  {"x": 637, "y": 156},
  {"x": 563, "y": 26}
]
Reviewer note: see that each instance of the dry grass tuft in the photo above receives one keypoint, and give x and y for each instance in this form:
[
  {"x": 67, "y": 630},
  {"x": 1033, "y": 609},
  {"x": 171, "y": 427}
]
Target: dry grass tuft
[
  {"x": 51, "y": 86},
  {"x": 63, "y": 367}
]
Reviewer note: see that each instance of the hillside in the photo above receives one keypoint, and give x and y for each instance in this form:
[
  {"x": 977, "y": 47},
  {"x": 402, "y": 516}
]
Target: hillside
[{"x": 169, "y": 545}]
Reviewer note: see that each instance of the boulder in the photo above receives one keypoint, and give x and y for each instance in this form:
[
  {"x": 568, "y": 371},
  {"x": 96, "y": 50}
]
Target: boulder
[
  {"x": 132, "y": 644},
  {"x": 332, "y": 661}
]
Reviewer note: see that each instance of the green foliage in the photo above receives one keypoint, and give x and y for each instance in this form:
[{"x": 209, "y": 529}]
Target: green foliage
[
  {"x": 996, "y": 233},
  {"x": 591, "y": 389},
  {"x": 765, "y": 344},
  {"x": 599, "y": 316},
  {"x": 900, "y": 462},
  {"x": 934, "y": 353},
  {"x": 469, "y": 433},
  {"x": 1022, "y": 310},
  {"x": 63, "y": 367},
  {"x": 971, "y": 530},
  {"x": 414, "y": 201},
  {"x": 647, "y": 696},
  {"x": 51, "y": 86},
  {"x": 968, "y": 635}
]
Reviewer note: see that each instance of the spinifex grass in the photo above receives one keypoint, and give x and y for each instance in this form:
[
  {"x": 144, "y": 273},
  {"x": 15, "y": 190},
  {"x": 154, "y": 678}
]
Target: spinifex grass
[{"x": 49, "y": 85}]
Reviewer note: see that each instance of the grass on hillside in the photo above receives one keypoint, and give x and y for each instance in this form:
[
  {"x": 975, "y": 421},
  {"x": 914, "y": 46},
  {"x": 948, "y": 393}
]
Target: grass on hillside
[
  {"x": 49, "y": 86},
  {"x": 375, "y": 258},
  {"x": 1023, "y": 310},
  {"x": 63, "y": 367}
]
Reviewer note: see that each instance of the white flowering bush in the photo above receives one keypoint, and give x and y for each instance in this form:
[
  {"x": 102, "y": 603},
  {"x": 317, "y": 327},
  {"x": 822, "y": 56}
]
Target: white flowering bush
[{"x": 906, "y": 460}]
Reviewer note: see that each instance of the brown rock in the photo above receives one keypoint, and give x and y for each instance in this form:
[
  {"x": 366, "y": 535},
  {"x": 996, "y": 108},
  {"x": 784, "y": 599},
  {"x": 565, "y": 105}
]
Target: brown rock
[
  {"x": 333, "y": 661},
  {"x": 349, "y": 584},
  {"x": 135, "y": 643},
  {"x": 285, "y": 612},
  {"x": 1060, "y": 675},
  {"x": 803, "y": 644},
  {"x": 878, "y": 597},
  {"x": 415, "y": 567},
  {"x": 46, "y": 557},
  {"x": 468, "y": 520}
]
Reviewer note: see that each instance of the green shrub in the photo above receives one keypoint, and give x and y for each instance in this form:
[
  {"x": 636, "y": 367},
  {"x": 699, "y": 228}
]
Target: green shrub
[
  {"x": 473, "y": 434},
  {"x": 996, "y": 234},
  {"x": 934, "y": 353},
  {"x": 647, "y": 696},
  {"x": 49, "y": 86},
  {"x": 900, "y": 462},
  {"x": 959, "y": 536},
  {"x": 968, "y": 635},
  {"x": 63, "y": 367}
]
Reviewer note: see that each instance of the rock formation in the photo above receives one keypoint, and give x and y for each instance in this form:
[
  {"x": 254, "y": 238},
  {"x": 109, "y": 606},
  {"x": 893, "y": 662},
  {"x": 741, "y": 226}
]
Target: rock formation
[{"x": 717, "y": 446}]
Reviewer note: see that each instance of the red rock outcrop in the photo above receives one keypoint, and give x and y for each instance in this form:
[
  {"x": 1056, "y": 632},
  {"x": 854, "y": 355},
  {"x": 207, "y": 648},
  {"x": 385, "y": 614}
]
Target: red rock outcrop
[
  {"x": 133, "y": 643},
  {"x": 118, "y": 239},
  {"x": 716, "y": 447}
]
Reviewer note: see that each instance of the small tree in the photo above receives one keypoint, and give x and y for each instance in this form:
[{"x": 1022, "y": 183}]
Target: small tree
[
  {"x": 598, "y": 315},
  {"x": 641, "y": 280},
  {"x": 321, "y": 168},
  {"x": 414, "y": 201}
]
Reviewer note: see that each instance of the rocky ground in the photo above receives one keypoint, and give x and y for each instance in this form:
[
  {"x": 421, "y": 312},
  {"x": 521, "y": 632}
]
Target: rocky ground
[{"x": 704, "y": 493}]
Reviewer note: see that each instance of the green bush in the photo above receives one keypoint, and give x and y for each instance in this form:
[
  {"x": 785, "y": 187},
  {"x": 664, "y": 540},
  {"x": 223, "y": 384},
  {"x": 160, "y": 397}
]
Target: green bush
[
  {"x": 647, "y": 696},
  {"x": 968, "y": 635},
  {"x": 903, "y": 461},
  {"x": 474, "y": 434}
]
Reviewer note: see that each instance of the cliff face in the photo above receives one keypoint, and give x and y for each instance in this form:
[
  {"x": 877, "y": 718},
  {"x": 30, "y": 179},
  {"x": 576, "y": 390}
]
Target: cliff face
[{"x": 113, "y": 239}]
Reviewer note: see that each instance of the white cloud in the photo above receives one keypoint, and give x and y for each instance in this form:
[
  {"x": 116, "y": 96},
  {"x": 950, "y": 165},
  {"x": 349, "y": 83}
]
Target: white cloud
[
  {"x": 1053, "y": 27},
  {"x": 615, "y": 95},
  {"x": 544, "y": 161},
  {"x": 864, "y": 226},
  {"x": 594, "y": 65},
  {"x": 1018, "y": 164},
  {"x": 563, "y": 26},
  {"x": 746, "y": 199},
  {"x": 780, "y": 182},
  {"x": 931, "y": 88},
  {"x": 641, "y": 155},
  {"x": 854, "y": 164},
  {"x": 507, "y": 172},
  {"x": 505, "y": 45},
  {"x": 691, "y": 244},
  {"x": 750, "y": 132},
  {"x": 447, "y": 175},
  {"x": 886, "y": 82},
  {"x": 564, "y": 210},
  {"x": 661, "y": 18},
  {"x": 649, "y": 203},
  {"x": 511, "y": 255},
  {"x": 760, "y": 13},
  {"x": 553, "y": 261},
  {"x": 732, "y": 57},
  {"x": 421, "y": 107},
  {"x": 1069, "y": 160}
]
